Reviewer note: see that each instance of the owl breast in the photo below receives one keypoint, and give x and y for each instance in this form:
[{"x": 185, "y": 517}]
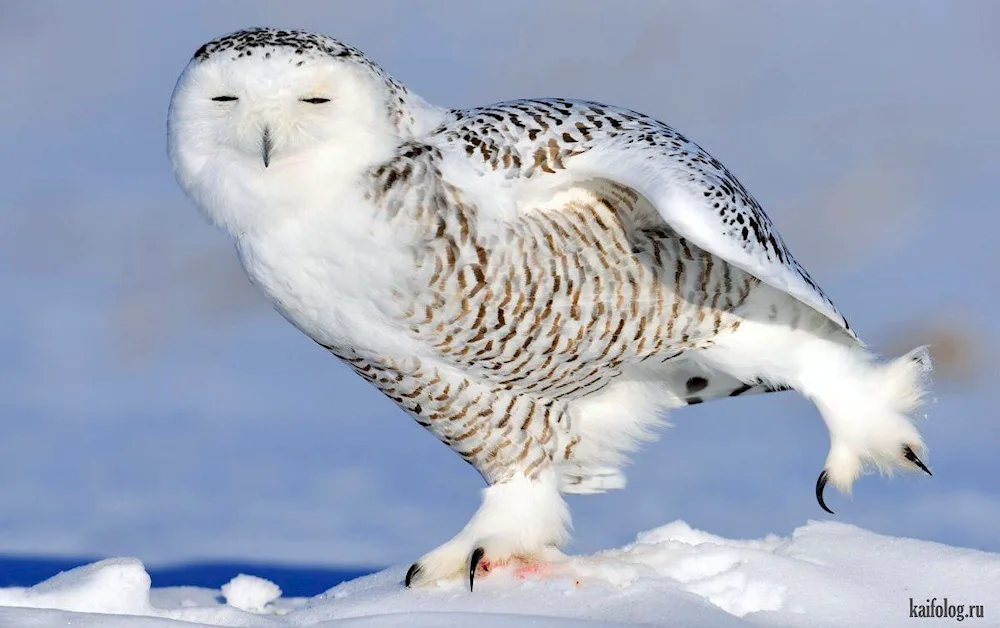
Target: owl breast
[{"x": 334, "y": 279}]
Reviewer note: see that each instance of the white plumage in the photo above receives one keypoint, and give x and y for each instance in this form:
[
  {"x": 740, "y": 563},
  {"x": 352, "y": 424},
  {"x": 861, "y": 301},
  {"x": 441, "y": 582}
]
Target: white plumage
[{"x": 536, "y": 282}]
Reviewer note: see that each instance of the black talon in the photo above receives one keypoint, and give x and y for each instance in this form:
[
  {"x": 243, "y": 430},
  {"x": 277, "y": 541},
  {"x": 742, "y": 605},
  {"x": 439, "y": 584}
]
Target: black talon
[
  {"x": 410, "y": 573},
  {"x": 912, "y": 457},
  {"x": 477, "y": 555},
  {"x": 820, "y": 485}
]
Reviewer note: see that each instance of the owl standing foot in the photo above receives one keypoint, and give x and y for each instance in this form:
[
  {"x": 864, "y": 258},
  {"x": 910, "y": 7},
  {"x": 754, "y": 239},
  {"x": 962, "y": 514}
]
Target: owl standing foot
[
  {"x": 480, "y": 563},
  {"x": 521, "y": 520},
  {"x": 523, "y": 567}
]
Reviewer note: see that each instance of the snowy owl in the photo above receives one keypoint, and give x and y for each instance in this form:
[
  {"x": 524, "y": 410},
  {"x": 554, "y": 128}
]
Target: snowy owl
[{"x": 535, "y": 282}]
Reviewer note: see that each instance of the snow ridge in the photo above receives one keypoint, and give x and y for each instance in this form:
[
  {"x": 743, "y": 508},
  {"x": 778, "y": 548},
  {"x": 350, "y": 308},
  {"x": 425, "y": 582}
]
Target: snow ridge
[{"x": 824, "y": 574}]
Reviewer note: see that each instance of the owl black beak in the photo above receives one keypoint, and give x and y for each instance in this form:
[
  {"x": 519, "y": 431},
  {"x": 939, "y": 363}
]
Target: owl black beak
[{"x": 266, "y": 145}]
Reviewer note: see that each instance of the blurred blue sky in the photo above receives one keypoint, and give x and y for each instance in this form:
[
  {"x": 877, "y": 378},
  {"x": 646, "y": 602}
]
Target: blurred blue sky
[{"x": 151, "y": 404}]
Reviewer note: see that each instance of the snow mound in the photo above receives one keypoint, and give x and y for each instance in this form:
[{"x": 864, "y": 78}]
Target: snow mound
[
  {"x": 250, "y": 593},
  {"x": 826, "y": 574},
  {"x": 117, "y": 585}
]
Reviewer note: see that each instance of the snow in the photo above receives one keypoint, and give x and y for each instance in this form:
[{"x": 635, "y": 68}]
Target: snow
[
  {"x": 250, "y": 593},
  {"x": 824, "y": 574}
]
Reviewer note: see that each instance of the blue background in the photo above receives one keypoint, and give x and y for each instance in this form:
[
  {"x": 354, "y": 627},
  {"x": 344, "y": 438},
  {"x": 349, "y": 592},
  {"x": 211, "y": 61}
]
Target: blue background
[{"x": 152, "y": 405}]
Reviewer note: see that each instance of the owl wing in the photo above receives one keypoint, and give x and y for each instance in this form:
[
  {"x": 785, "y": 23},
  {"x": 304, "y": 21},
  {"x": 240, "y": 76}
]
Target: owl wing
[{"x": 518, "y": 150}]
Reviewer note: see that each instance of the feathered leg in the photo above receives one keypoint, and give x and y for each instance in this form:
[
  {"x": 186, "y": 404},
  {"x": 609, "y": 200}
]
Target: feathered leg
[
  {"x": 519, "y": 518},
  {"x": 865, "y": 403}
]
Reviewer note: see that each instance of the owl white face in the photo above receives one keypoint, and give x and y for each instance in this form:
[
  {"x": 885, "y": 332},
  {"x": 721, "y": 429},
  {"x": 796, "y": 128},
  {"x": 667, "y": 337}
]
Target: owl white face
[{"x": 250, "y": 126}]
